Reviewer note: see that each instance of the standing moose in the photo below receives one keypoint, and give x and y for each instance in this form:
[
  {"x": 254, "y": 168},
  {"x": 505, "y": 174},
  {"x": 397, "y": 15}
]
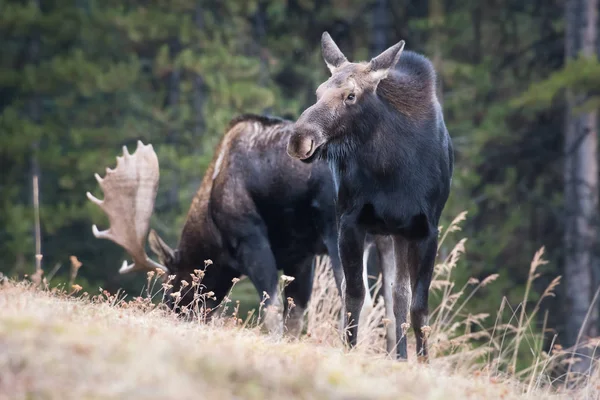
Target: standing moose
[
  {"x": 256, "y": 211},
  {"x": 381, "y": 129}
]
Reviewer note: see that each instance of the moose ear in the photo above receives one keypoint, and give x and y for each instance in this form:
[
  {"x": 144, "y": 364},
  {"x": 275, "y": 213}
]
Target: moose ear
[
  {"x": 380, "y": 66},
  {"x": 332, "y": 54},
  {"x": 165, "y": 254}
]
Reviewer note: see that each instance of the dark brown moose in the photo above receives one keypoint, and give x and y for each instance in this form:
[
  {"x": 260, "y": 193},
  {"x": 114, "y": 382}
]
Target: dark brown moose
[
  {"x": 256, "y": 211},
  {"x": 380, "y": 127}
]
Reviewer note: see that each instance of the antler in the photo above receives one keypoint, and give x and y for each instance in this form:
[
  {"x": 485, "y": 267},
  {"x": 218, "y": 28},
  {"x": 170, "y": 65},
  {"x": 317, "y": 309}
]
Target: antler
[{"x": 129, "y": 193}]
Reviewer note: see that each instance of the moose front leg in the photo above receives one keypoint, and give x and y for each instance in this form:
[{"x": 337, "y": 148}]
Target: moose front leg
[
  {"x": 351, "y": 245},
  {"x": 259, "y": 264},
  {"x": 298, "y": 291}
]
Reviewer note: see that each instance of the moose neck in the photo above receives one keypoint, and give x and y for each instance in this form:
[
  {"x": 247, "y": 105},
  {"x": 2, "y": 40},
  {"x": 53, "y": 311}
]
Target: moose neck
[{"x": 379, "y": 130}]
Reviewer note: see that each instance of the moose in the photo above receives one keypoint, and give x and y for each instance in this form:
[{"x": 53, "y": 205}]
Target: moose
[
  {"x": 257, "y": 211},
  {"x": 380, "y": 127}
]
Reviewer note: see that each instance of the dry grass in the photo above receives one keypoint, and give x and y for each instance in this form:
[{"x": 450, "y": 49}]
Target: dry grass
[{"x": 54, "y": 345}]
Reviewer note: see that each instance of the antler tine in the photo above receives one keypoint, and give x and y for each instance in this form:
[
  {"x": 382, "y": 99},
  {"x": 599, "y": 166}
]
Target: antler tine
[
  {"x": 101, "y": 234},
  {"x": 94, "y": 199},
  {"x": 129, "y": 193},
  {"x": 127, "y": 268}
]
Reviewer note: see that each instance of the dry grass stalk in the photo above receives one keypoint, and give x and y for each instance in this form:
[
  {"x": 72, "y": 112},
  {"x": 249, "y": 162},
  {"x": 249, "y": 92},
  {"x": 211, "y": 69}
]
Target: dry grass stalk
[{"x": 75, "y": 265}]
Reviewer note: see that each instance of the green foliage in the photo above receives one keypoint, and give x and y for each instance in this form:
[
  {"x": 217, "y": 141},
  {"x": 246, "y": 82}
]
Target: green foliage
[
  {"x": 582, "y": 75},
  {"x": 79, "y": 80}
]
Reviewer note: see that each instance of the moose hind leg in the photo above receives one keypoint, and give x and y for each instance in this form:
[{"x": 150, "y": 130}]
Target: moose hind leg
[
  {"x": 367, "y": 307},
  {"x": 297, "y": 295},
  {"x": 387, "y": 265},
  {"x": 422, "y": 271},
  {"x": 402, "y": 294},
  {"x": 260, "y": 266}
]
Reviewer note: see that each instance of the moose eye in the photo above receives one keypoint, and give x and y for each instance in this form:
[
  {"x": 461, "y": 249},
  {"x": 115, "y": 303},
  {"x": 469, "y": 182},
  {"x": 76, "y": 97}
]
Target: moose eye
[{"x": 351, "y": 97}]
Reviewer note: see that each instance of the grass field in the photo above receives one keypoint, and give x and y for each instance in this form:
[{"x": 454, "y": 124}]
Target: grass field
[
  {"x": 64, "y": 344},
  {"x": 55, "y": 347}
]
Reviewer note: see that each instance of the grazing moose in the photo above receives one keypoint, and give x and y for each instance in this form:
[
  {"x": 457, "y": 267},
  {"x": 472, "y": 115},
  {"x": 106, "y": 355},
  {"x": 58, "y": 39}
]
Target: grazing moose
[
  {"x": 380, "y": 127},
  {"x": 256, "y": 211}
]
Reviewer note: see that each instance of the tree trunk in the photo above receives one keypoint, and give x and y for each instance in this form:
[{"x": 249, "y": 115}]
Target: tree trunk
[
  {"x": 477, "y": 18},
  {"x": 379, "y": 41},
  {"x": 436, "y": 20},
  {"x": 173, "y": 99},
  {"x": 174, "y": 92},
  {"x": 581, "y": 186},
  {"x": 199, "y": 83},
  {"x": 260, "y": 34},
  {"x": 34, "y": 115}
]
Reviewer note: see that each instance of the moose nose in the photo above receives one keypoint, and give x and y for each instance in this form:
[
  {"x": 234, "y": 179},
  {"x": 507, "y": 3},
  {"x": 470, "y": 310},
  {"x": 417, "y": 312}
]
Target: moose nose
[
  {"x": 301, "y": 147},
  {"x": 308, "y": 152}
]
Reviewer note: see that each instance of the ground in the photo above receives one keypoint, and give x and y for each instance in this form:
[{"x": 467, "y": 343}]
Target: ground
[{"x": 53, "y": 346}]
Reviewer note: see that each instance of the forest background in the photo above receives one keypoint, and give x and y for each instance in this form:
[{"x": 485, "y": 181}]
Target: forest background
[{"x": 518, "y": 82}]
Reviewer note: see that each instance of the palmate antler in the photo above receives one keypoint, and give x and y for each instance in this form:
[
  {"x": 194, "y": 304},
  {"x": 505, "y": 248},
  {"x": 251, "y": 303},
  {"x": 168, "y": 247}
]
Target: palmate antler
[{"x": 129, "y": 194}]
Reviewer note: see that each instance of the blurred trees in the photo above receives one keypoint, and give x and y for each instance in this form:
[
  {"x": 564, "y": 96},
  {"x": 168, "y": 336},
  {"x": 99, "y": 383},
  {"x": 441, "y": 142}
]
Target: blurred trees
[
  {"x": 581, "y": 180},
  {"x": 80, "y": 79}
]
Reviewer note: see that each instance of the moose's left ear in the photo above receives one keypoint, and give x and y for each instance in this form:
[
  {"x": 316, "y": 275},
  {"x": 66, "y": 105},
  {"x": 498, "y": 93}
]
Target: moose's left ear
[{"x": 381, "y": 65}]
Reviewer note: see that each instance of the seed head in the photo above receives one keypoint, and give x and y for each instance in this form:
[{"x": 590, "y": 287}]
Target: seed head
[
  {"x": 426, "y": 330},
  {"x": 405, "y": 327}
]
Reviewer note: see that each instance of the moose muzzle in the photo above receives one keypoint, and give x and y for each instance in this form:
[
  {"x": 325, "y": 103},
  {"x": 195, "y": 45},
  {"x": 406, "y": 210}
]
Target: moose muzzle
[{"x": 304, "y": 142}]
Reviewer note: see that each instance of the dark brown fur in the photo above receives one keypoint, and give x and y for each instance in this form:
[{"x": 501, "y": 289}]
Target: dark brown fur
[
  {"x": 411, "y": 87},
  {"x": 257, "y": 211}
]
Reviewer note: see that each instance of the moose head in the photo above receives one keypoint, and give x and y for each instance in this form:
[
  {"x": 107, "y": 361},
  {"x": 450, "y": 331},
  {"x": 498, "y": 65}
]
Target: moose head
[{"x": 342, "y": 101}]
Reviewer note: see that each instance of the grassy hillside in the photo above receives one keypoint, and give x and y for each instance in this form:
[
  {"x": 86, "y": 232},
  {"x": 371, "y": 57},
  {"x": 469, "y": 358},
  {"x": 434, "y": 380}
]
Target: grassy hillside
[
  {"x": 54, "y": 347},
  {"x": 58, "y": 344}
]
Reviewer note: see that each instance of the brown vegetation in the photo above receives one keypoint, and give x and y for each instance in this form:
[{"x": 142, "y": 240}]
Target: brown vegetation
[{"x": 60, "y": 344}]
